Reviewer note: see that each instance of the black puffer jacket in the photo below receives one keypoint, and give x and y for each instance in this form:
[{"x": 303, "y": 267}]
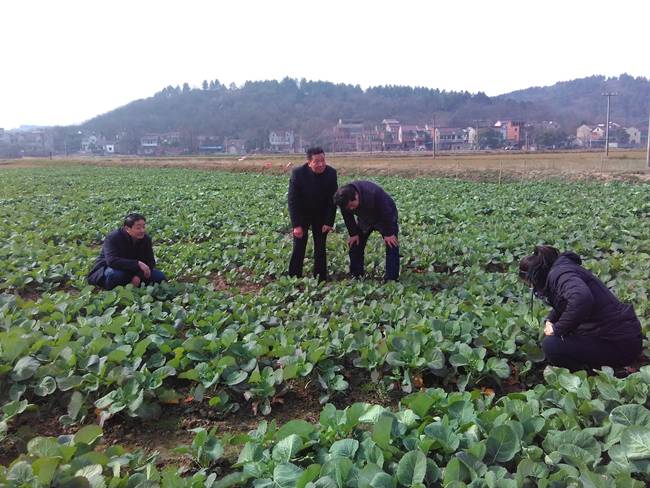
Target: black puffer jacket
[
  {"x": 376, "y": 210},
  {"x": 310, "y": 196},
  {"x": 122, "y": 252},
  {"x": 583, "y": 305}
]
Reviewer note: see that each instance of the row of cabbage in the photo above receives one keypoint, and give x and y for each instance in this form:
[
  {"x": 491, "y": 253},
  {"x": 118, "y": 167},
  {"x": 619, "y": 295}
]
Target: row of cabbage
[{"x": 572, "y": 430}]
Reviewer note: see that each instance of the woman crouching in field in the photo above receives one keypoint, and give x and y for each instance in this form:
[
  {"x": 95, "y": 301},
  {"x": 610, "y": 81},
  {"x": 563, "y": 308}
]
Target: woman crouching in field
[{"x": 588, "y": 327}]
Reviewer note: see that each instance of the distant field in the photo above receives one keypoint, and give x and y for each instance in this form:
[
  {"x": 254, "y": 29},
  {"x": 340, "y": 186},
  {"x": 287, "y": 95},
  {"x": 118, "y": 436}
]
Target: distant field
[{"x": 484, "y": 165}]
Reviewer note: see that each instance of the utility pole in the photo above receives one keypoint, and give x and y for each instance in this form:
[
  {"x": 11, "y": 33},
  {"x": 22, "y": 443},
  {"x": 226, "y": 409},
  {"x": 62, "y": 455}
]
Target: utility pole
[
  {"x": 608, "y": 95},
  {"x": 433, "y": 146},
  {"x": 477, "y": 138},
  {"x": 647, "y": 156}
]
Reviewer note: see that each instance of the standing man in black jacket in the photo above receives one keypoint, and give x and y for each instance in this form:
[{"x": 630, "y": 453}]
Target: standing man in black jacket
[
  {"x": 126, "y": 257},
  {"x": 375, "y": 210},
  {"x": 311, "y": 189}
]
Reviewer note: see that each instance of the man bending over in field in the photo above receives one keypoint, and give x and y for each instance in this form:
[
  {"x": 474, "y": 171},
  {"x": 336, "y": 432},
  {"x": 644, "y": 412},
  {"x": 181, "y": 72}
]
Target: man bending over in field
[
  {"x": 126, "y": 257},
  {"x": 375, "y": 210}
]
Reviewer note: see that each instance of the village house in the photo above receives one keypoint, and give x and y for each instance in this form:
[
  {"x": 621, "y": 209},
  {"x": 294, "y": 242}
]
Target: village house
[
  {"x": 98, "y": 145},
  {"x": 511, "y": 130},
  {"x": 390, "y": 135},
  {"x": 110, "y": 147},
  {"x": 346, "y": 135},
  {"x": 594, "y": 136},
  {"x": 391, "y": 125},
  {"x": 235, "y": 146},
  {"x": 208, "y": 144},
  {"x": 583, "y": 135},
  {"x": 7, "y": 144},
  {"x": 39, "y": 142},
  {"x": 413, "y": 137},
  {"x": 454, "y": 139},
  {"x": 282, "y": 140},
  {"x": 168, "y": 143},
  {"x": 370, "y": 141},
  {"x": 149, "y": 145},
  {"x": 598, "y": 133}
]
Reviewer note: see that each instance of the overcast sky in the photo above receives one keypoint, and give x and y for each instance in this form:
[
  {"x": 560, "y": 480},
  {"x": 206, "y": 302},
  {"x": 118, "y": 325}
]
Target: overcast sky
[{"x": 66, "y": 61}]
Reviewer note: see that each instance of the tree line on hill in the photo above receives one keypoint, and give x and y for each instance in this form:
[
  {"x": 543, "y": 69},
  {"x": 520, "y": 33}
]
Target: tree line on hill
[{"x": 311, "y": 108}]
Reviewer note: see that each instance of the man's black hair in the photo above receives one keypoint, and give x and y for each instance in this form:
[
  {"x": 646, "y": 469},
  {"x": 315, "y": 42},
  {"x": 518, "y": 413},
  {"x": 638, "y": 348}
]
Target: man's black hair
[
  {"x": 312, "y": 151},
  {"x": 345, "y": 195},
  {"x": 132, "y": 218}
]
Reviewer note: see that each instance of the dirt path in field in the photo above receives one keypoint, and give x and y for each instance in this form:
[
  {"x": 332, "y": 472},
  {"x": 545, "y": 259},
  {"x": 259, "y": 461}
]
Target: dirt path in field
[{"x": 622, "y": 165}]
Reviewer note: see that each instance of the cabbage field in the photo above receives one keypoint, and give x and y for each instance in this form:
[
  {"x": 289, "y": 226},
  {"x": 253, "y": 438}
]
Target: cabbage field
[{"x": 438, "y": 380}]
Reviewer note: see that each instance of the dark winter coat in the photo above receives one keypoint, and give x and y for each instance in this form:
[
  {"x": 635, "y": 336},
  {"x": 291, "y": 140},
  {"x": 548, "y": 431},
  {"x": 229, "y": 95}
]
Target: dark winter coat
[
  {"x": 583, "y": 305},
  {"x": 121, "y": 251},
  {"x": 376, "y": 210},
  {"x": 310, "y": 196}
]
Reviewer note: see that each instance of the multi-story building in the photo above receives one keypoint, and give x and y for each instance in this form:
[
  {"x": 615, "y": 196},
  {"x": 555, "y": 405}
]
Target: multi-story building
[
  {"x": 511, "y": 130},
  {"x": 282, "y": 140},
  {"x": 454, "y": 138},
  {"x": 413, "y": 137},
  {"x": 346, "y": 135}
]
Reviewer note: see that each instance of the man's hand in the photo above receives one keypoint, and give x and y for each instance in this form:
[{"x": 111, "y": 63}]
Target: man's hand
[
  {"x": 391, "y": 241},
  {"x": 326, "y": 229},
  {"x": 135, "y": 281},
  {"x": 298, "y": 232},
  {"x": 145, "y": 269},
  {"x": 353, "y": 241},
  {"x": 548, "y": 328}
]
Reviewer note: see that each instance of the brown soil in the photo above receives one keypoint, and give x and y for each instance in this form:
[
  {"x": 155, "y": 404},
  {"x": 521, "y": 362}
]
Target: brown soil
[
  {"x": 243, "y": 284},
  {"x": 33, "y": 293},
  {"x": 498, "y": 166},
  {"x": 29, "y": 294},
  {"x": 299, "y": 400}
]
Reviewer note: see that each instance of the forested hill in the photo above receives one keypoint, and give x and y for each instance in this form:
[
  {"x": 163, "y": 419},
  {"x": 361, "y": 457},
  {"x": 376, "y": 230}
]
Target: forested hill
[
  {"x": 582, "y": 99},
  {"x": 310, "y": 108}
]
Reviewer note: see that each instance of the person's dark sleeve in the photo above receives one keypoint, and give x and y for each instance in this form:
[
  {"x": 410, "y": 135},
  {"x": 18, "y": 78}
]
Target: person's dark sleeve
[
  {"x": 552, "y": 316},
  {"x": 350, "y": 222},
  {"x": 113, "y": 259},
  {"x": 148, "y": 257},
  {"x": 295, "y": 212},
  {"x": 387, "y": 215},
  {"x": 580, "y": 303},
  {"x": 330, "y": 215}
]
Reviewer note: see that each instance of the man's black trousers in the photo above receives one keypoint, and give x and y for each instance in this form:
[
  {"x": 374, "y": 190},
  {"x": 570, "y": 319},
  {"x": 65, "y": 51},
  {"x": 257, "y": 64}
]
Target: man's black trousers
[{"x": 300, "y": 246}]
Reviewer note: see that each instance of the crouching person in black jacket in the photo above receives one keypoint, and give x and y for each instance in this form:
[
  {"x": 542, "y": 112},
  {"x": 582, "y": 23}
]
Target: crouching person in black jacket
[
  {"x": 588, "y": 327},
  {"x": 126, "y": 257}
]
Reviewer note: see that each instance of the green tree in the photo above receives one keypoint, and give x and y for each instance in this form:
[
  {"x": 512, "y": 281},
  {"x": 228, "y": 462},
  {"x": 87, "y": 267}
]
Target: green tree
[
  {"x": 490, "y": 139},
  {"x": 551, "y": 137},
  {"x": 621, "y": 136}
]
